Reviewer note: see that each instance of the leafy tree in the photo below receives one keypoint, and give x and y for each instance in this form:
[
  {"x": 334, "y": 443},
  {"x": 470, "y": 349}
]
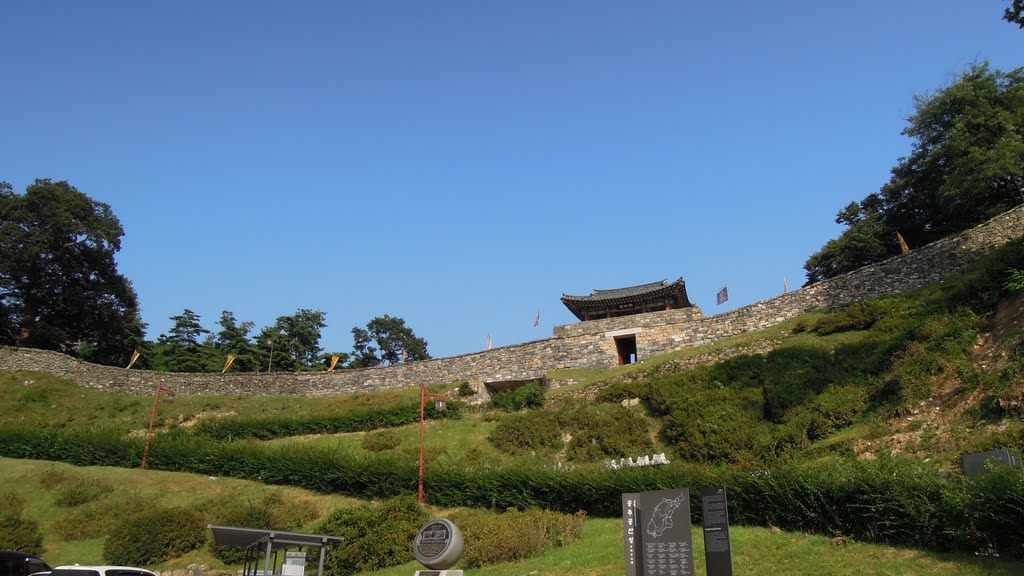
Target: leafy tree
[
  {"x": 1015, "y": 13},
  {"x": 296, "y": 341},
  {"x": 966, "y": 166},
  {"x": 182, "y": 350},
  {"x": 383, "y": 341},
  {"x": 233, "y": 338},
  {"x": 59, "y": 285}
]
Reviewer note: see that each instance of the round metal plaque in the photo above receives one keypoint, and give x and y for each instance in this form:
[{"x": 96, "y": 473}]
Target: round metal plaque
[{"x": 438, "y": 544}]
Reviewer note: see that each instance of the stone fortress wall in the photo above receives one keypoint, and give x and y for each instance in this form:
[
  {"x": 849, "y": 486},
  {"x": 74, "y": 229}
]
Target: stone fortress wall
[{"x": 583, "y": 344}]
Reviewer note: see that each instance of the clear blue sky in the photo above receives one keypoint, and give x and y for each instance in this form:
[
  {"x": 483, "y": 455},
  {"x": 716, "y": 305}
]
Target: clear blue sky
[{"x": 462, "y": 164}]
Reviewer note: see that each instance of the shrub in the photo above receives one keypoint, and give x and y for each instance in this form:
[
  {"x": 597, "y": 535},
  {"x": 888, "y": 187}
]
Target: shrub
[
  {"x": 375, "y": 536},
  {"x": 358, "y": 419},
  {"x": 1015, "y": 281},
  {"x": 96, "y": 519},
  {"x": 20, "y": 534},
  {"x": 380, "y": 440},
  {"x": 612, "y": 431},
  {"x": 529, "y": 395},
  {"x": 997, "y": 501},
  {"x": 524, "y": 433},
  {"x": 269, "y": 510},
  {"x": 487, "y": 540},
  {"x": 154, "y": 535},
  {"x": 11, "y": 504},
  {"x": 466, "y": 389},
  {"x": 857, "y": 316},
  {"x": 81, "y": 491}
]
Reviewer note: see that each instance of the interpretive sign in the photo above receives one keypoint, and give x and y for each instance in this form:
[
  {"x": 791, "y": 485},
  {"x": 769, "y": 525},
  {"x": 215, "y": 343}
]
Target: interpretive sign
[
  {"x": 976, "y": 464},
  {"x": 658, "y": 534},
  {"x": 717, "y": 550},
  {"x": 438, "y": 545}
]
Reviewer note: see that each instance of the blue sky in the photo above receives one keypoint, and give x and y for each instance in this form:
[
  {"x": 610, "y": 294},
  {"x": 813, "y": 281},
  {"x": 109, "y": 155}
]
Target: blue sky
[{"x": 462, "y": 164}]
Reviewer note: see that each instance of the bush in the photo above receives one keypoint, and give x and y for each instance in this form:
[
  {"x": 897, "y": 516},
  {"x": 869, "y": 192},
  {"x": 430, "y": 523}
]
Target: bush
[
  {"x": 525, "y": 433},
  {"x": 857, "y": 316},
  {"x": 610, "y": 431},
  {"x": 11, "y": 504},
  {"x": 359, "y": 419},
  {"x": 529, "y": 395},
  {"x": 466, "y": 389},
  {"x": 380, "y": 440},
  {"x": 81, "y": 492},
  {"x": 269, "y": 510},
  {"x": 487, "y": 540},
  {"x": 154, "y": 535},
  {"x": 997, "y": 501},
  {"x": 375, "y": 536},
  {"x": 96, "y": 519},
  {"x": 20, "y": 534}
]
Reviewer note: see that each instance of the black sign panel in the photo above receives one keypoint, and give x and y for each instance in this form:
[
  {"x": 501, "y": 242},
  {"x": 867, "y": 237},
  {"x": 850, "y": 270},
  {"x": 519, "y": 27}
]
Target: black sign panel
[
  {"x": 716, "y": 531},
  {"x": 658, "y": 533}
]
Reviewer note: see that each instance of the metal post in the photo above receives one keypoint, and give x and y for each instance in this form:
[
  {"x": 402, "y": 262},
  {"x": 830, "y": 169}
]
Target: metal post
[
  {"x": 152, "y": 421},
  {"x": 423, "y": 403}
]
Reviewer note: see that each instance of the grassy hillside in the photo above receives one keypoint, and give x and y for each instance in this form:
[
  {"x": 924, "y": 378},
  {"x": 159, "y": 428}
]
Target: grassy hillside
[
  {"x": 873, "y": 403},
  {"x": 757, "y": 551}
]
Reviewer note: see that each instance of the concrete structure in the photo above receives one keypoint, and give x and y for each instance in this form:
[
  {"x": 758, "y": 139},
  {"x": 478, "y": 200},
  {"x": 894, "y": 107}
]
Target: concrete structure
[{"x": 584, "y": 344}]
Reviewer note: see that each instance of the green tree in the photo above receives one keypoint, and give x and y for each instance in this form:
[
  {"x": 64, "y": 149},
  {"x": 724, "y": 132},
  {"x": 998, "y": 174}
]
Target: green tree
[
  {"x": 233, "y": 338},
  {"x": 383, "y": 341},
  {"x": 966, "y": 166},
  {"x": 181, "y": 348},
  {"x": 295, "y": 341},
  {"x": 59, "y": 284},
  {"x": 1015, "y": 13}
]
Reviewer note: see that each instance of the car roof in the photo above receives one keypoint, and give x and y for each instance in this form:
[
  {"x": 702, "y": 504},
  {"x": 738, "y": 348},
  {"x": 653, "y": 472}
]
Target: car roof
[
  {"x": 12, "y": 554},
  {"x": 102, "y": 569}
]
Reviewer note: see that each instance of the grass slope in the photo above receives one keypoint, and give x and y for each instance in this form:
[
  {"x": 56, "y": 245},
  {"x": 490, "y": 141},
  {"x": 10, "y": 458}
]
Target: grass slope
[{"x": 598, "y": 552}]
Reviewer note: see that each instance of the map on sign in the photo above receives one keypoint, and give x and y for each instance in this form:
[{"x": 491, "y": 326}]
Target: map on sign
[{"x": 661, "y": 516}]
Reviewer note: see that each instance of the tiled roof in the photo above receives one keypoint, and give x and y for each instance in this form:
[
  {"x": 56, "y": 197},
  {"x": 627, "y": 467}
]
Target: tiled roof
[{"x": 625, "y": 293}]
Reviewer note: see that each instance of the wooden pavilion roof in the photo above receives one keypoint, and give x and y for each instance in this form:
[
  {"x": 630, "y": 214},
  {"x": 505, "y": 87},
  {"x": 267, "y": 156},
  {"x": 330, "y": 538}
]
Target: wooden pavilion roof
[{"x": 662, "y": 295}]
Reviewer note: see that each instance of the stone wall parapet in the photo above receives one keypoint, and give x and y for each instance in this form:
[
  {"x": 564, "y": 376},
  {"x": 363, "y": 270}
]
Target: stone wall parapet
[{"x": 583, "y": 344}]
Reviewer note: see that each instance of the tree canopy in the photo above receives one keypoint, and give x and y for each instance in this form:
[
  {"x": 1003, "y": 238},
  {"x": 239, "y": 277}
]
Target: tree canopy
[
  {"x": 386, "y": 340},
  {"x": 966, "y": 166},
  {"x": 181, "y": 349},
  {"x": 294, "y": 340},
  {"x": 1015, "y": 13},
  {"x": 59, "y": 284}
]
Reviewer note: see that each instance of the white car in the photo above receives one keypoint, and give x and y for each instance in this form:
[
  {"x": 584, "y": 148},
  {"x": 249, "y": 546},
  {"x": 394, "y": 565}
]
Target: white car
[{"x": 78, "y": 570}]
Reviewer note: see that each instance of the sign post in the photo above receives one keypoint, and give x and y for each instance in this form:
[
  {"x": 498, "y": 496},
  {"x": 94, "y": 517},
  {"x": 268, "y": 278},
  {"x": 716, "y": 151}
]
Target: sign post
[
  {"x": 658, "y": 533},
  {"x": 717, "y": 551}
]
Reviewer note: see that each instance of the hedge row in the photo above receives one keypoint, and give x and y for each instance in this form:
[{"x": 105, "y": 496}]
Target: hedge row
[
  {"x": 349, "y": 420},
  {"x": 893, "y": 501}
]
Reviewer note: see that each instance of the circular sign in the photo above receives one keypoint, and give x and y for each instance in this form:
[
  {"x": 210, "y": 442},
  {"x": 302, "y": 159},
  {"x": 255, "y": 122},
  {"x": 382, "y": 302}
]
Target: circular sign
[{"x": 438, "y": 544}]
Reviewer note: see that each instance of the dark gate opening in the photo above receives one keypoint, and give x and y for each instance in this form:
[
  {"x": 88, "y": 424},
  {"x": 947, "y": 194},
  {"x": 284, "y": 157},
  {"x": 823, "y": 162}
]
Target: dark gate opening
[{"x": 626, "y": 348}]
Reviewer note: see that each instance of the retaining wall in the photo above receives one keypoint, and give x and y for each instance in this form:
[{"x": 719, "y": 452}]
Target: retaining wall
[{"x": 583, "y": 344}]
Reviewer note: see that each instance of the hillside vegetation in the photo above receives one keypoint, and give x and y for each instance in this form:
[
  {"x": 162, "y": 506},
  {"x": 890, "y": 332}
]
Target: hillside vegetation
[{"x": 850, "y": 425}]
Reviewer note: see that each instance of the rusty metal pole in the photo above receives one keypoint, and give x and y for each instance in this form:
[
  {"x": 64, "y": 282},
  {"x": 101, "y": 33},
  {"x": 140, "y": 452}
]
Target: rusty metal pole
[{"x": 152, "y": 421}]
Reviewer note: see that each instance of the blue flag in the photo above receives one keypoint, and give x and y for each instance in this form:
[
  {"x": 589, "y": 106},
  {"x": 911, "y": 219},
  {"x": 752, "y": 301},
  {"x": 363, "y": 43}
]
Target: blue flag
[{"x": 723, "y": 295}]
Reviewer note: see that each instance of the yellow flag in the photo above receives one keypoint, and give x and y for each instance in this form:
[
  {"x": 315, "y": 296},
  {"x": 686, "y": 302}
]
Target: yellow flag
[
  {"x": 903, "y": 243},
  {"x": 227, "y": 364},
  {"x": 135, "y": 356},
  {"x": 334, "y": 362}
]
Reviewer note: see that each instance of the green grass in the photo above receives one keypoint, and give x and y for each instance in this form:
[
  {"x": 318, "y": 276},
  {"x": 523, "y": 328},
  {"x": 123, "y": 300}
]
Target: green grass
[
  {"x": 598, "y": 552},
  {"x": 160, "y": 488},
  {"x": 444, "y": 440},
  {"x": 755, "y": 552}
]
